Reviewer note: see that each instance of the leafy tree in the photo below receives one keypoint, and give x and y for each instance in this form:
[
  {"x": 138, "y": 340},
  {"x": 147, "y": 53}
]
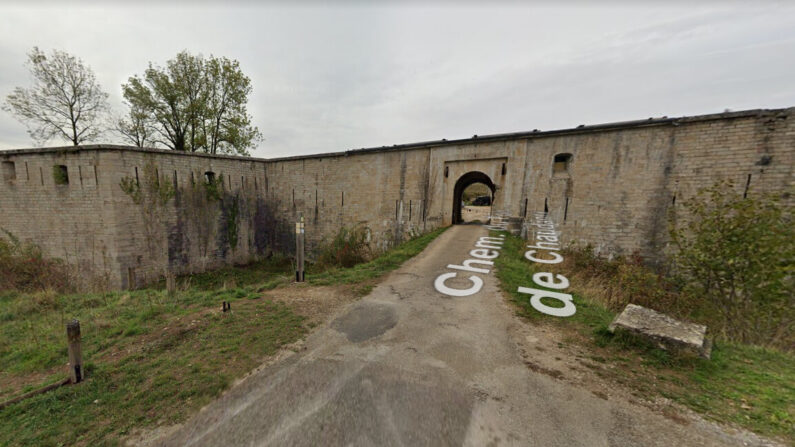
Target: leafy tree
[
  {"x": 65, "y": 101},
  {"x": 195, "y": 104},
  {"x": 738, "y": 254}
]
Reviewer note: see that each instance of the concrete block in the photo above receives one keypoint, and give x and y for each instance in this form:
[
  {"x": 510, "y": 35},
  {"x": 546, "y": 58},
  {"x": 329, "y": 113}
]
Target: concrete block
[{"x": 668, "y": 333}]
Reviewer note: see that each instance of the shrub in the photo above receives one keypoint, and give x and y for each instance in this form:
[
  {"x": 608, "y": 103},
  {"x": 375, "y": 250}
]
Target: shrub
[
  {"x": 154, "y": 191},
  {"x": 214, "y": 187},
  {"x": 349, "y": 247},
  {"x": 23, "y": 268},
  {"x": 738, "y": 254}
]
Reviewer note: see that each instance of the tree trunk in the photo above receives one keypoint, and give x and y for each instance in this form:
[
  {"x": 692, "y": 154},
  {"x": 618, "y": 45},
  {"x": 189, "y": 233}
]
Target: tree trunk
[{"x": 74, "y": 125}]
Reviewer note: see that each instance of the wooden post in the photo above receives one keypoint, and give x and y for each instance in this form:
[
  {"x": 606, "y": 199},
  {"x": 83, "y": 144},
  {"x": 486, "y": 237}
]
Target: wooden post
[
  {"x": 299, "y": 250},
  {"x": 171, "y": 283},
  {"x": 130, "y": 278},
  {"x": 75, "y": 351}
]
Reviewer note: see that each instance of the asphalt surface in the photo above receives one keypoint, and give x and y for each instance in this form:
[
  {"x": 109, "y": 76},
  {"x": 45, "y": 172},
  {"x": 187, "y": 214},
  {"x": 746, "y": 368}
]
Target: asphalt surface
[{"x": 408, "y": 365}]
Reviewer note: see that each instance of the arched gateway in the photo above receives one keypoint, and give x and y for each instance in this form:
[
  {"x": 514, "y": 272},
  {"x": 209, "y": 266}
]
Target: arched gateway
[{"x": 462, "y": 183}]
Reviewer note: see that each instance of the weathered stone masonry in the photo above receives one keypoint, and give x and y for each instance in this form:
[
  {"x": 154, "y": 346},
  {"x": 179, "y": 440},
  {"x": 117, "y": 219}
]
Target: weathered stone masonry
[{"x": 128, "y": 215}]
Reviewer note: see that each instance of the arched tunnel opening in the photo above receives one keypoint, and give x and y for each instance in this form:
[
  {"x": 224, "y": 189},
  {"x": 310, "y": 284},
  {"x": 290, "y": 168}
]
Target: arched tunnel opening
[{"x": 473, "y": 196}]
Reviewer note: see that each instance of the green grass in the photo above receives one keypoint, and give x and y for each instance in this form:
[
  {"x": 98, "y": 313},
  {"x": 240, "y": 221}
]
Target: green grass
[
  {"x": 151, "y": 358},
  {"x": 257, "y": 273},
  {"x": 159, "y": 381},
  {"x": 514, "y": 271},
  {"x": 745, "y": 385}
]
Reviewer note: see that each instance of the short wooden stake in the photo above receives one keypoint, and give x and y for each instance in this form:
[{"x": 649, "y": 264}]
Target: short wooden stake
[
  {"x": 171, "y": 283},
  {"x": 75, "y": 352}
]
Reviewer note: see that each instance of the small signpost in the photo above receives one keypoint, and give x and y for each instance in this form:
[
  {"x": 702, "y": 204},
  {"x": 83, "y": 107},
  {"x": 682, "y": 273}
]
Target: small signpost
[{"x": 299, "y": 250}]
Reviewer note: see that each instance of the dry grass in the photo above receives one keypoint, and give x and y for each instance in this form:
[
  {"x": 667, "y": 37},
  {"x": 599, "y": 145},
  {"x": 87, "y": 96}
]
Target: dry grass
[
  {"x": 615, "y": 283},
  {"x": 23, "y": 268},
  {"x": 620, "y": 281},
  {"x": 349, "y": 247}
]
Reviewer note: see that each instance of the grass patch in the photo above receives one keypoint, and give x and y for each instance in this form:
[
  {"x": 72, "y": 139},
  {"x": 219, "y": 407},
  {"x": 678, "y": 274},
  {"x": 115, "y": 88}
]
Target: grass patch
[
  {"x": 258, "y": 273},
  {"x": 153, "y": 375},
  {"x": 151, "y": 358},
  {"x": 749, "y": 386}
]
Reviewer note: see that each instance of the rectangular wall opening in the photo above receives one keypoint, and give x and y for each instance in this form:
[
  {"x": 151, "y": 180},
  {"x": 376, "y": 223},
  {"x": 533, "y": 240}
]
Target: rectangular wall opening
[
  {"x": 9, "y": 171},
  {"x": 60, "y": 174},
  {"x": 560, "y": 164}
]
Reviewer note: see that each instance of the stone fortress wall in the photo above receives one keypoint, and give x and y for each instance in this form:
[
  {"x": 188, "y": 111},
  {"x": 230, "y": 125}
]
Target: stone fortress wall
[{"x": 129, "y": 215}]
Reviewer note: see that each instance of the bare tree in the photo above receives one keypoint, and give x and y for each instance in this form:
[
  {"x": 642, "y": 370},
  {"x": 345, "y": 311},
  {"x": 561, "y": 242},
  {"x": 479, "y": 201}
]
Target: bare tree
[
  {"x": 65, "y": 101},
  {"x": 137, "y": 128}
]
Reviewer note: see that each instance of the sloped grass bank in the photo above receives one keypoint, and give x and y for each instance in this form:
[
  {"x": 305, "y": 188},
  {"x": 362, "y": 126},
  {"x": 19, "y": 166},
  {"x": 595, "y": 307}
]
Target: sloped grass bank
[
  {"x": 749, "y": 386},
  {"x": 152, "y": 358}
]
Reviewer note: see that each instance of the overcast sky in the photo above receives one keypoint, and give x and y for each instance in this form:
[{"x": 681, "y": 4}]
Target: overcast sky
[{"x": 337, "y": 77}]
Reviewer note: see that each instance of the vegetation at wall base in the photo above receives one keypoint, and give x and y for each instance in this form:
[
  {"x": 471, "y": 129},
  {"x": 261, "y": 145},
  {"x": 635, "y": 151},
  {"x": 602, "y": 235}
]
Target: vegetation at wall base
[
  {"x": 348, "y": 248},
  {"x": 152, "y": 358},
  {"x": 22, "y": 267},
  {"x": 737, "y": 255},
  {"x": 388, "y": 261},
  {"x": 752, "y": 387}
]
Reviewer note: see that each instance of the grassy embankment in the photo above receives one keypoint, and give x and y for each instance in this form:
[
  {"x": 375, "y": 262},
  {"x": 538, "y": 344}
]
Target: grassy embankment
[
  {"x": 152, "y": 359},
  {"x": 749, "y": 386}
]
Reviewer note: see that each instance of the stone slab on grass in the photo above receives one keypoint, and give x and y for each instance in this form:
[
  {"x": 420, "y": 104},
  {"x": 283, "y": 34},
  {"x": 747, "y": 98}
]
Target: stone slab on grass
[{"x": 668, "y": 333}]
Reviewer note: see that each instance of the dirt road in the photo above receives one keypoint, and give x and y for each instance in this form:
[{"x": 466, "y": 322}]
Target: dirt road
[
  {"x": 408, "y": 365},
  {"x": 475, "y": 213}
]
